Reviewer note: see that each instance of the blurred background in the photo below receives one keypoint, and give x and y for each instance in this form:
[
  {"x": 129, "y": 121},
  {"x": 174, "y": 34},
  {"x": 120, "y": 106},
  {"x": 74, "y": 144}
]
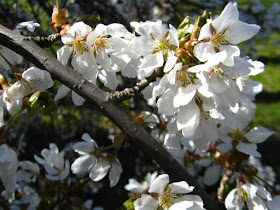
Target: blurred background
[{"x": 70, "y": 122}]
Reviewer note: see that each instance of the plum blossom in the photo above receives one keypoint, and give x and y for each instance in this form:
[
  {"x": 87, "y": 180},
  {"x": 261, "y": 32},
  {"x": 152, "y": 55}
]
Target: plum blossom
[
  {"x": 112, "y": 53},
  {"x": 168, "y": 196},
  {"x": 30, "y": 25},
  {"x": 8, "y": 58},
  {"x": 8, "y": 167},
  {"x": 56, "y": 167},
  {"x": 143, "y": 187},
  {"x": 217, "y": 36},
  {"x": 187, "y": 102},
  {"x": 155, "y": 44},
  {"x": 95, "y": 161},
  {"x": 28, "y": 171},
  {"x": 75, "y": 43},
  {"x": 253, "y": 196},
  {"x": 237, "y": 131},
  {"x": 29, "y": 197},
  {"x": 30, "y": 81}
]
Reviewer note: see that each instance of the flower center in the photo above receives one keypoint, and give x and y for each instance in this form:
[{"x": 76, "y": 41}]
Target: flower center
[
  {"x": 162, "y": 45},
  {"x": 218, "y": 38},
  {"x": 79, "y": 44},
  {"x": 167, "y": 199},
  {"x": 99, "y": 43},
  {"x": 184, "y": 77},
  {"x": 237, "y": 135}
]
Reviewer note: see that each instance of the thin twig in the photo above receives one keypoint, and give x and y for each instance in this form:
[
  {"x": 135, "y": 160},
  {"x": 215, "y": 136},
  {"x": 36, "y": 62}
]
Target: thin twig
[
  {"x": 44, "y": 41},
  {"x": 129, "y": 92},
  {"x": 224, "y": 181}
]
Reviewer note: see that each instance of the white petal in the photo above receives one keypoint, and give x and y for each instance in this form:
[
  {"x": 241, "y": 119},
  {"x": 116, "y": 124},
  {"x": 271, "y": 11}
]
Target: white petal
[
  {"x": 173, "y": 35},
  {"x": 83, "y": 164},
  {"x": 65, "y": 172},
  {"x": 184, "y": 96},
  {"x": 249, "y": 149},
  {"x": 180, "y": 188},
  {"x": 84, "y": 147},
  {"x": 63, "y": 54},
  {"x": 108, "y": 78},
  {"x": 61, "y": 92},
  {"x": 231, "y": 201},
  {"x": 114, "y": 174},
  {"x": 134, "y": 186},
  {"x": 204, "y": 51},
  {"x": 117, "y": 29},
  {"x": 99, "y": 170},
  {"x": 159, "y": 184},
  {"x": 232, "y": 52},
  {"x": 188, "y": 117},
  {"x": 119, "y": 61},
  {"x": 150, "y": 63},
  {"x": 212, "y": 175},
  {"x": 274, "y": 204},
  {"x": 77, "y": 99},
  {"x": 258, "y": 135},
  {"x": 205, "y": 32},
  {"x": 146, "y": 202},
  {"x": 171, "y": 61},
  {"x": 228, "y": 16},
  {"x": 240, "y": 31},
  {"x": 164, "y": 105},
  {"x": 183, "y": 205}
]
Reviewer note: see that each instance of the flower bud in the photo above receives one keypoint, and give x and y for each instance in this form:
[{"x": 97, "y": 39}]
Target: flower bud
[
  {"x": 140, "y": 119},
  {"x": 59, "y": 17}
]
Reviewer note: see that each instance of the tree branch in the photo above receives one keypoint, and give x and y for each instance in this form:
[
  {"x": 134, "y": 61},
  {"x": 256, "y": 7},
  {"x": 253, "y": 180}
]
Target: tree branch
[
  {"x": 221, "y": 190},
  {"x": 129, "y": 92},
  {"x": 44, "y": 41},
  {"x": 83, "y": 87}
]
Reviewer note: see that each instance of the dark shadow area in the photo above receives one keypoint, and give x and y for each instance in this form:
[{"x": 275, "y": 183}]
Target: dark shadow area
[{"x": 268, "y": 97}]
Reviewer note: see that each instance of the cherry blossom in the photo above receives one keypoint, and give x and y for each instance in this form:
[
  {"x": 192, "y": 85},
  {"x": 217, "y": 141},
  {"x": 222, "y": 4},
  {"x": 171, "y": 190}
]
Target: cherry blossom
[{"x": 56, "y": 167}]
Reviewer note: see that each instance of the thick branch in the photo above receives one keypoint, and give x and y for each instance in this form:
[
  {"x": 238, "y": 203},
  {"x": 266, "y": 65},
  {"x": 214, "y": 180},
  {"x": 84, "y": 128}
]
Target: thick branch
[{"x": 75, "y": 81}]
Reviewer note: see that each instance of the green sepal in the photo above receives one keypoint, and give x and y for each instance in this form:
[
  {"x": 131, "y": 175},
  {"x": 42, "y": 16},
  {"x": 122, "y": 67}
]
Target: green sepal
[
  {"x": 129, "y": 204},
  {"x": 200, "y": 21},
  {"x": 183, "y": 27}
]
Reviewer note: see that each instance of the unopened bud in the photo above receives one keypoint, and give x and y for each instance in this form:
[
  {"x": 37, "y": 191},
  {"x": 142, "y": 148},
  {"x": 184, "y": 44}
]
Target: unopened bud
[
  {"x": 189, "y": 45},
  {"x": 59, "y": 18},
  {"x": 140, "y": 119},
  {"x": 118, "y": 140}
]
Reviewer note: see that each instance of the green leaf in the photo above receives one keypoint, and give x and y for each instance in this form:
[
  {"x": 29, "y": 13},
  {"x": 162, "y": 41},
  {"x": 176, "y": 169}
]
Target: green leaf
[
  {"x": 183, "y": 27},
  {"x": 125, "y": 105},
  {"x": 129, "y": 204}
]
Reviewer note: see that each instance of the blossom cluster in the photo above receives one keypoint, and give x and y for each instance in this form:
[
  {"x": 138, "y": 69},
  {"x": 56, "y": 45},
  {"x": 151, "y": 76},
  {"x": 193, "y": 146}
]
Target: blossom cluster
[{"x": 203, "y": 107}]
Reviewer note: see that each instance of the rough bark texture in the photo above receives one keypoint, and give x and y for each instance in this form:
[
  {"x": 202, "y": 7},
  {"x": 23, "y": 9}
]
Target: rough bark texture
[{"x": 110, "y": 108}]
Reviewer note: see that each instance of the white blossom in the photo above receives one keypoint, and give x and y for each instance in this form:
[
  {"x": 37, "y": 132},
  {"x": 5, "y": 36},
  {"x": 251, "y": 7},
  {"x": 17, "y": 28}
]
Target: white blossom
[
  {"x": 169, "y": 196},
  {"x": 217, "y": 36},
  {"x": 56, "y": 167},
  {"x": 8, "y": 167},
  {"x": 94, "y": 162}
]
